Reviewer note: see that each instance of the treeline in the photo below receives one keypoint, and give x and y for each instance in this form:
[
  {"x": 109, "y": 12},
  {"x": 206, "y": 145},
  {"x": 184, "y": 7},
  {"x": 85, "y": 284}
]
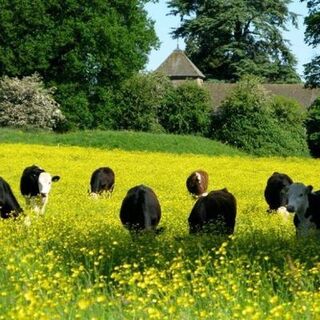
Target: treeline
[{"x": 249, "y": 118}]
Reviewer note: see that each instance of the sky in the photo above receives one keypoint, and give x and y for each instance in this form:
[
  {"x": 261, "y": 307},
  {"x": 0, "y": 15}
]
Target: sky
[{"x": 165, "y": 23}]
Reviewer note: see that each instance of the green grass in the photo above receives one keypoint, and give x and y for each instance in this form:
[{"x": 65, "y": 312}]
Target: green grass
[{"x": 125, "y": 140}]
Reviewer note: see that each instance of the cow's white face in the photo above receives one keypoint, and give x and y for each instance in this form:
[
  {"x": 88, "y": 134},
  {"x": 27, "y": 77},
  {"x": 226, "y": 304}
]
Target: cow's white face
[
  {"x": 44, "y": 183},
  {"x": 297, "y": 198}
]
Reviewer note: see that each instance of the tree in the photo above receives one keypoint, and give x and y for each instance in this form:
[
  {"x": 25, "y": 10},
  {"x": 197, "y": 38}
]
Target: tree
[
  {"x": 84, "y": 46},
  {"x": 253, "y": 121},
  {"x": 312, "y": 38},
  {"x": 227, "y": 39},
  {"x": 25, "y": 103}
]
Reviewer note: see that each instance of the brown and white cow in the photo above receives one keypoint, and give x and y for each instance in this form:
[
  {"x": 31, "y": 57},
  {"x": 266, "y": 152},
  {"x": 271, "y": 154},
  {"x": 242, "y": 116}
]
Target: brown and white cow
[
  {"x": 197, "y": 183},
  {"x": 214, "y": 213}
]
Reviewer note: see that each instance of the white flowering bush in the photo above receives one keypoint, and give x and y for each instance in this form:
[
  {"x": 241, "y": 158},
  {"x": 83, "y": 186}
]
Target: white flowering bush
[{"x": 26, "y": 103}]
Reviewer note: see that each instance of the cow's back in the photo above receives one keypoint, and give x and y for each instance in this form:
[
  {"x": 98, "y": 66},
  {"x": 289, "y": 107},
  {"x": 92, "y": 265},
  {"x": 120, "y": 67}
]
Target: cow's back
[
  {"x": 140, "y": 209},
  {"x": 8, "y": 201},
  {"x": 272, "y": 192},
  {"x": 102, "y": 179},
  {"x": 216, "y": 211}
]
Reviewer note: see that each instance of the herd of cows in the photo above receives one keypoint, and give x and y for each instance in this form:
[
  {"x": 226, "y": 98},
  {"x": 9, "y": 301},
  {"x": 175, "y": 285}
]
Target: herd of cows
[{"x": 140, "y": 210}]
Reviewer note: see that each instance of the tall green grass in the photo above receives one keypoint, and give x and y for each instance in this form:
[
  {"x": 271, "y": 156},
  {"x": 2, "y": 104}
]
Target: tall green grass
[{"x": 125, "y": 140}]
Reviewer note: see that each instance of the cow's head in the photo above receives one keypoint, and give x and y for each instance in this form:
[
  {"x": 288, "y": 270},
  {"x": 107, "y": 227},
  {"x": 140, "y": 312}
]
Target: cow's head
[
  {"x": 296, "y": 197},
  {"x": 44, "y": 183}
]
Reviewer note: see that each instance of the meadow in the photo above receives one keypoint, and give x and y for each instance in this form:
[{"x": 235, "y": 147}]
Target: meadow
[{"x": 78, "y": 262}]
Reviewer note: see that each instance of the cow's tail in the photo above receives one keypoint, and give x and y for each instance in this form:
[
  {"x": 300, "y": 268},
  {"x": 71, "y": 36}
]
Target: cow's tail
[{"x": 144, "y": 208}]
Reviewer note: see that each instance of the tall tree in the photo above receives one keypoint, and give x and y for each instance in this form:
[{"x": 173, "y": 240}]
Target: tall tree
[
  {"x": 227, "y": 39},
  {"x": 83, "y": 47},
  {"x": 312, "y": 38}
]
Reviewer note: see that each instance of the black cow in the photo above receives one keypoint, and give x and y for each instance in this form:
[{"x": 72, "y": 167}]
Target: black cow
[
  {"x": 273, "y": 191},
  {"x": 102, "y": 180},
  {"x": 305, "y": 205},
  {"x": 9, "y": 206},
  {"x": 214, "y": 213},
  {"x": 140, "y": 210},
  {"x": 197, "y": 183},
  {"x": 35, "y": 185}
]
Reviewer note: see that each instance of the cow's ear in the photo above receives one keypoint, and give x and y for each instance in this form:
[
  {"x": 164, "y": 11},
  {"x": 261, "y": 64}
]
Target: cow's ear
[
  {"x": 309, "y": 189},
  {"x": 55, "y": 178}
]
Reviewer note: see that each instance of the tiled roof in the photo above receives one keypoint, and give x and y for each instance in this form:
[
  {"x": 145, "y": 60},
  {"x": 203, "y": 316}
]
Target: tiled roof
[
  {"x": 178, "y": 65},
  {"x": 219, "y": 91}
]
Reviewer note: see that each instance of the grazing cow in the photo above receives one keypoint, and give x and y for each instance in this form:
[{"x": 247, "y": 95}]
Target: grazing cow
[
  {"x": 214, "y": 213},
  {"x": 35, "y": 185},
  {"x": 197, "y": 183},
  {"x": 9, "y": 206},
  {"x": 102, "y": 180},
  {"x": 305, "y": 204},
  {"x": 140, "y": 210},
  {"x": 273, "y": 191}
]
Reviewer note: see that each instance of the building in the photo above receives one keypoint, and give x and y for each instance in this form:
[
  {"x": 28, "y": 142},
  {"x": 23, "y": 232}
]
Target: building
[{"x": 178, "y": 67}]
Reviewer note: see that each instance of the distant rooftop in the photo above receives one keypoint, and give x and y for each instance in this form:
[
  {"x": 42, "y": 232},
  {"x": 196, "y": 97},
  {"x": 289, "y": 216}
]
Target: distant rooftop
[{"x": 178, "y": 66}]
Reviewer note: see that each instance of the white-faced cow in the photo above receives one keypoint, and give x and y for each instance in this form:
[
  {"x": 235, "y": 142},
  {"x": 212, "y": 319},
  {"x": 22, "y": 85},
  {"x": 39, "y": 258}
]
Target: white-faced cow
[
  {"x": 102, "y": 180},
  {"x": 35, "y": 185},
  {"x": 305, "y": 205},
  {"x": 214, "y": 213},
  {"x": 197, "y": 183},
  {"x": 273, "y": 192},
  {"x": 9, "y": 206},
  {"x": 140, "y": 210}
]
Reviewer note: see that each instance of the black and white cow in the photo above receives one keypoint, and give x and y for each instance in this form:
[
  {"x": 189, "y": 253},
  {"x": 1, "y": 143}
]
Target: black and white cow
[
  {"x": 35, "y": 185},
  {"x": 102, "y": 180},
  {"x": 214, "y": 213},
  {"x": 140, "y": 210},
  {"x": 305, "y": 205},
  {"x": 9, "y": 206},
  {"x": 197, "y": 183},
  {"x": 273, "y": 192}
]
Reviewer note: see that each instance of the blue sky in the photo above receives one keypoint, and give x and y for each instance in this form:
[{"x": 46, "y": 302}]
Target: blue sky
[{"x": 164, "y": 25}]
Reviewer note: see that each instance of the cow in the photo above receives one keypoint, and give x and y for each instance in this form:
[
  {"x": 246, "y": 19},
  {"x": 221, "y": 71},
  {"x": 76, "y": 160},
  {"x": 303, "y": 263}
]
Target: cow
[
  {"x": 35, "y": 185},
  {"x": 9, "y": 206},
  {"x": 140, "y": 210},
  {"x": 214, "y": 213},
  {"x": 197, "y": 183},
  {"x": 273, "y": 192},
  {"x": 305, "y": 205},
  {"x": 102, "y": 180}
]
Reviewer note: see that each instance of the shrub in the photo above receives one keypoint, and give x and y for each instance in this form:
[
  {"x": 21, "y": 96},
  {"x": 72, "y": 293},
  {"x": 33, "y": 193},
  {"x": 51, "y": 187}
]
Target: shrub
[
  {"x": 186, "y": 110},
  {"x": 251, "y": 120},
  {"x": 313, "y": 128},
  {"x": 26, "y": 103},
  {"x": 137, "y": 105}
]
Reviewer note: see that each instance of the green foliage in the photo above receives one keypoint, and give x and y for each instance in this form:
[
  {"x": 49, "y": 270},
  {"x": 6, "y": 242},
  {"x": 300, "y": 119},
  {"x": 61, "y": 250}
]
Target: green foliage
[
  {"x": 186, "y": 110},
  {"x": 312, "y": 38},
  {"x": 89, "y": 45},
  {"x": 26, "y": 103},
  {"x": 313, "y": 128},
  {"x": 250, "y": 120},
  {"x": 125, "y": 140},
  {"x": 138, "y": 102},
  {"x": 228, "y": 39}
]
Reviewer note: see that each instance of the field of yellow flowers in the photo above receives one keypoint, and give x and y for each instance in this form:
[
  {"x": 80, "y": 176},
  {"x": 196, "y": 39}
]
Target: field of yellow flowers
[{"x": 78, "y": 262}]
